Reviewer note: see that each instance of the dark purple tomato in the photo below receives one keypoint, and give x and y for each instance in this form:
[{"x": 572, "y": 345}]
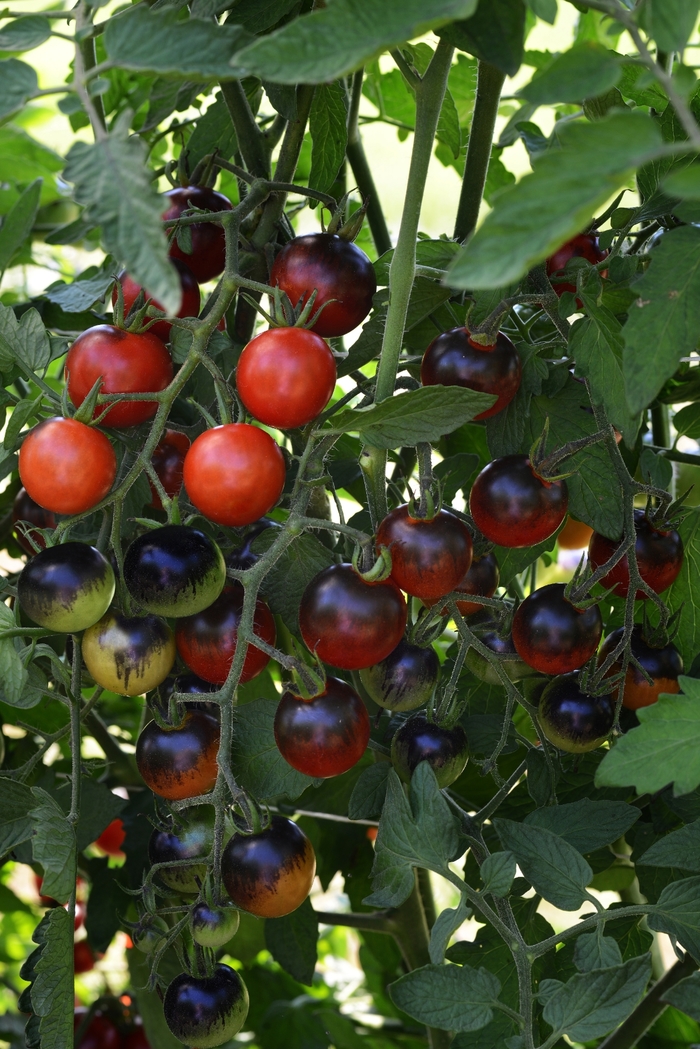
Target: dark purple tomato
[
  {"x": 429, "y": 557},
  {"x": 481, "y": 580},
  {"x": 659, "y": 553},
  {"x": 168, "y": 461},
  {"x": 66, "y": 587},
  {"x": 663, "y": 665},
  {"x": 405, "y": 680},
  {"x": 174, "y": 571},
  {"x": 572, "y": 720},
  {"x": 190, "y": 684},
  {"x": 213, "y": 926},
  {"x": 190, "y": 297},
  {"x": 323, "y": 736},
  {"x": 553, "y": 636},
  {"x": 101, "y": 1033},
  {"x": 514, "y": 507},
  {"x": 270, "y": 873},
  {"x": 206, "y": 1011},
  {"x": 582, "y": 246},
  {"x": 208, "y": 256},
  {"x": 445, "y": 749},
  {"x": 179, "y": 762},
  {"x": 348, "y": 622},
  {"x": 515, "y": 668},
  {"x": 336, "y": 269},
  {"x": 190, "y": 840},
  {"x": 454, "y": 360},
  {"x": 30, "y": 513}
]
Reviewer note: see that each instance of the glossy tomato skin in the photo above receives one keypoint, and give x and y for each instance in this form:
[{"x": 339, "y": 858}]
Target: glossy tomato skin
[
  {"x": 513, "y": 507},
  {"x": 206, "y": 1010},
  {"x": 112, "y": 838},
  {"x": 515, "y": 668},
  {"x": 168, "y": 460},
  {"x": 66, "y": 587},
  {"x": 66, "y": 466},
  {"x": 129, "y": 655},
  {"x": 179, "y": 762},
  {"x": 553, "y": 636},
  {"x": 207, "y": 641},
  {"x": 659, "y": 557},
  {"x": 664, "y": 665},
  {"x": 192, "y": 840},
  {"x": 583, "y": 246},
  {"x": 101, "y": 1033},
  {"x": 128, "y": 363},
  {"x": 190, "y": 298},
  {"x": 213, "y": 926},
  {"x": 83, "y": 957},
  {"x": 208, "y": 256},
  {"x": 174, "y": 570},
  {"x": 269, "y": 874},
  {"x": 324, "y": 736},
  {"x": 285, "y": 377},
  {"x": 453, "y": 359},
  {"x": 481, "y": 580},
  {"x": 234, "y": 474},
  {"x": 572, "y": 720},
  {"x": 575, "y": 535},
  {"x": 405, "y": 679},
  {"x": 30, "y": 513},
  {"x": 445, "y": 749},
  {"x": 349, "y": 623},
  {"x": 334, "y": 267},
  {"x": 136, "y": 1039},
  {"x": 429, "y": 557}
]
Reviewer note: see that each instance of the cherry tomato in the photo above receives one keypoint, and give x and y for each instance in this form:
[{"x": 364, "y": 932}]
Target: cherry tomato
[
  {"x": 67, "y": 587},
  {"x": 112, "y": 838},
  {"x": 336, "y": 269},
  {"x": 583, "y": 246},
  {"x": 151, "y": 931},
  {"x": 234, "y": 474},
  {"x": 179, "y": 762},
  {"x": 174, "y": 571},
  {"x": 206, "y": 1010},
  {"x": 575, "y": 535},
  {"x": 129, "y": 655},
  {"x": 515, "y": 668},
  {"x": 659, "y": 554},
  {"x": 127, "y": 363},
  {"x": 481, "y": 580},
  {"x": 192, "y": 840},
  {"x": 137, "y": 1040},
  {"x": 553, "y": 636},
  {"x": 80, "y": 914},
  {"x": 514, "y": 507},
  {"x": 66, "y": 466},
  {"x": 445, "y": 749},
  {"x": 572, "y": 720},
  {"x": 190, "y": 297},
  {"x": 453, "y": 359},
  {"x": 101, "y": 1033},
  {"x": 270, "y": 873},
  {"x": 405, "y": 679},
  {"x": 663, "y": 665},
  {"x": 213, "y": 926},
  {"x": 83, "y": 957},
  {"x": 207, "y": 641},
  {"x": 429, "y": 556},
  {"x": 168, "y": 459},
  {"x": 30, "y": 513},
  {"x": 208, "y": 256},
  {"x": 323, "y": 736},
  {"x": 285, "y": 377},
  {"x": 194, "y": 685},
  {"x": 348, "y": 622}
]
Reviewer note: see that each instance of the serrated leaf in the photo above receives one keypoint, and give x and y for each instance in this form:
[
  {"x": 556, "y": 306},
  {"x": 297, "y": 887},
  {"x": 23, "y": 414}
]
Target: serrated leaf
[
  {"x": 18, "y": 223},
  {"x": 446, "y": 925},
  {"x": 677, "y": 913},
  {"x": 685, "y": 996},
  {"x": 596, "y": 952},
  {"x": 16, "y": 803},
  {"x": 450, "y": 997},
  {"x": 51, "y": 991},
  {"x": 292, "y": 572},
  {"x": 684, "y": 592},
  {"x": 328, "y": 125},
  {"x": 591, "y": 1004},
  {"x": 13, "y": 673},
  {"x": 18, "y": 82},
  {"x": 585, "y": 70},
  {"x": 368, "y": 794},
  {"x": 293, "y": 942},
  {"x": 25, "y": 340},
  {"x": 585, "y": 824},
  {"x": 258, "y": 765},
  {"x": 596, "y": 344},
  {"x": 82, "y": 293},
  {"x": 553, "y": 867},
  {"x": 53, "y": 846}
]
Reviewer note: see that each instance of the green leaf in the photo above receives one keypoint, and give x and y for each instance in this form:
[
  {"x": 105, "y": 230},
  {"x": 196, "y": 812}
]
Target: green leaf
[
  {"x": 495, "y": 34},
  {"x": 672, "y": 22},
  {"x": 446, "y": 925},
  {"x": 24, "y": 340},
  {"x": 98, "y": 807},
  {"x": 149, "y": 1003},
  {"x": 292, "y": 572},
  {"x": 327, "y": 44},
  {"x": 107, "y": 900},
  {"x": 112, "y": 181},
  {"x": 586, "y": 70},
  {"x": 536, "y": 216},
  {"x": 86, "y": 290},
  {"x": 53, "y": 846},
  {"x": 596, "y": 952},
  {"x": 21, "y": 414},
  {"x": 24, "y": 34},
  {"x": 18, "y": 82},
  {"x": 553, "y": 867},
  {"x": 677, "y": 913},
  {"x": 685, "y": 996},
  {"x": 596, "y": 344},
  {"x": 684, "y": 591},
  {"x": 680, "y": 848},
  {"x": 13, "y": 673},
  {"x": 258, "y": 765},
  {"x": 498, "y": 872},
  {"x": 687, "y": 421},
  {"x": 16, "y": 803},
  {"x": 450, "y": 997},
  {"x": 544, "y": 9},
  {"x": 51, "y": 991},
  {"x": 213, "y": 132},
  {"x": 591, "y": 1004},
  {"x": 419, "y": 415},
  {"x": 684, "y": 183},
  {"x": 655, "y": 469},
  {"x": 328, "y": 124},
  {"x": 18, "y": 223},
  {"x": 292, "y": 942},
  {"x": 664, "y": 748},
  {"x": 259, "y": 15},
  {"x": 368, "y": 794},
  {"x": 585, "y": 824}
]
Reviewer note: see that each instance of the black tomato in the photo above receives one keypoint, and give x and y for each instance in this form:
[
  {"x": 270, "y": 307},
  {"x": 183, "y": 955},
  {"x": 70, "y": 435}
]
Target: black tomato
[
  {"x": 454, "y": 360},
  {"x": 481, "y": 580},
  {"x": 515, "y": 668},
  {"x": 208, "y": 255},
  {"x": 445, "y": 749},
  {"x": 348, "y": 622},
  {"x": 583, "y": 246},
  {"x": 67, "y": 587},
  {"x": 179, "y": 762},
  {"x": 429, "y": 557},
  {"x": 207, "y": 641},
  {"x": 270, "y": 873},
  {"x": 24, "y": 509},
  {"x": 659, "y": 554},
  {"x": 572, "y": 720},
  {"x": 663, "y": 665},
  {"x": 174, "y": 571},
  {"x": 206, "y": 1010},
  {"x": 213, "y": 926},
  {"x": 190, "y": 841},
  {"x": 129, "y": 655},
  {"x": 552, "y": 635},
  {"x": 512, "y": 506},
  {"x": 405, "y": 680},
  {"x": 323, "y": 736},
  {"x": 336, "y": 269}
]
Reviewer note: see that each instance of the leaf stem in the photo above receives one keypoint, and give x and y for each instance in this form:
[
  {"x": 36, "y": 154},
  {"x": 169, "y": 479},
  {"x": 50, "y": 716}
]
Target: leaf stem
[{"x": 488, "y": 94}]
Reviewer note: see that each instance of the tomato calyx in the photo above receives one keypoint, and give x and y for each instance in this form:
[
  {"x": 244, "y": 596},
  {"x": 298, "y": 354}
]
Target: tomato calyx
[{"x": 377, "y": 572}]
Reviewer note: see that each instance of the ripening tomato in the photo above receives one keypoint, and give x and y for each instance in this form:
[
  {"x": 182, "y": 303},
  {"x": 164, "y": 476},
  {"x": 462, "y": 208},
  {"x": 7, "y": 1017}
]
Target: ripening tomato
[
  {"x": 83, "y": 957},
  {"x": 112, "y": 838},
  {"x": 481, "y": 580},
  {"x": 191, "y": 839},
  {"x": 208, "y": 255},
  {"x": 429, "y": 556},
  {"x": 190, "y": 298},
  {"x": 323, "y": 736},
  {"x": 174, "y": 570},
  {"x": 663, "y": 664},
  {"x": 572, "y": 720},
  {"x": 575, "y": 535},
  {"x": 582, "y": 246},
  {"x": 213, "y": 926},
  {"x": 405, "y": 679},
  {"x": 206, "y": 1011},
  {"x": 67, "y": 587},
  {"x": 552, "y": 635},
  {"x": 513, "y": 506},
  {"x": 179, "y": 762},
  {"x": 659, "y": 553},
  {"x": 24, "y": 509},
  {"x": 454, "y": 359},
  {"x": 445, "y": 749},
  {"x": 149, "y": 934},
  {"x": 101, "y": 1033},
  {"x": 168, "y": 460},
  {"x": 129, "y": 655},
  {"x": 66, "y": 466},
  {"x": 270, "y": 873}
]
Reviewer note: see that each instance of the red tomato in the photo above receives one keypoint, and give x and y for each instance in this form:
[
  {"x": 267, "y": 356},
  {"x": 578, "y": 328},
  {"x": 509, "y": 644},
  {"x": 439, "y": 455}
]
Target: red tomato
[
  {"x": 551, "y": 635},
  {"x": 454, "y": 360},
  {"x": 168, "y": 460},
  {"x": 25, "y": 509},
  {"x": 575, "y": 535},
  {"x": 128, "y": 363},
  {"x": 583, "y": 246},
  {"x": 481, "y": 580},
  {"x": 100, "y": 1034},
  {"x": 112, "y": 838},
  {"x": 285, "y": 377},
  {"x": 663, "y": 665},
  {"x": 137, "y": 1040},
  {"x": 659, "y": 553},
  {"x": 234, "y": 474},
  {"x": 208, "y": 255},
  {"x": 429, "y": 557},
  {"x": 66, "y": 466},
  {"x": 323, "y": 736},
  {"x": 83, "y": 957},
  {"x": 190, "y": 297},
  {"x": 180, "y": 762},
  {"x": 513, "y": 506}
]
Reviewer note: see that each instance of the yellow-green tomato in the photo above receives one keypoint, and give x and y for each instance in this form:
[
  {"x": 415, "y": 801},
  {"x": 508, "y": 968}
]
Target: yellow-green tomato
[
  {"x": 129, "y": 654},
  {"x": 66, "y": 588},
  {"x": 213, "y": 926}
]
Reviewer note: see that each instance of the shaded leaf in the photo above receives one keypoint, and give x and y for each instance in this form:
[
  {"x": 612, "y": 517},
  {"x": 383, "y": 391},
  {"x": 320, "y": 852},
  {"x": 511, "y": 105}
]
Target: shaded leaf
[
  {"x": 553, "y": 867},
  {"x": 495, "y": 34},
  {"x": 672, "y": 22},
  {"x": 585, "y": 70},
  {"x": 446, "y": 925},
  {"x": 498, "y": 872},
  {"x": 87, "y": 289},
  {"x": 51, "y": 991},
  {"x": 25, "y": 340},
  {"x": 451, "y": 997},
  {"x": 292, "y": 572},
  {"x": 292, "y": 941},
  {"x": 586, "y": 824},
  {"x": 258, "y": 765},
  {"x": 18, "y": 82},
  {"x": 368, "y": 795},
  {"x": 329, "y": 134},
  {"x": 53, "y": 846},
  {"x": 24, "y": 34},
  {"x": 593, "y": 1003},
  {"x": 17, "y": 224},
  {"x": 686, "y": 996},
  {"x": 596, "y": 344},
  {"x": 16, "y": 803},
  {"x": 596, "y": 952}
]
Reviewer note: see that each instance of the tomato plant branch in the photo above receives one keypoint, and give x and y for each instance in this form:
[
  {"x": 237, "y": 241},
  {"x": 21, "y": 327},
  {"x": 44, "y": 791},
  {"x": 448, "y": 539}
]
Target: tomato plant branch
[
  {"x": 251, "y": 140},
  {"x": 362, "y": 172},
  {"x": 489, "y": 84},
  {"x": 650, "y": 1008},
  {"x": 84, "y": 65},
  {"x": 586, "y": 925}
]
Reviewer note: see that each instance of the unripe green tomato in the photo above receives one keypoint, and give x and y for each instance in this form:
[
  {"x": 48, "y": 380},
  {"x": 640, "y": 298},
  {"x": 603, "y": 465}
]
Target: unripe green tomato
[
  {"x": 66, "y": 588},
  {"x": 129, "y": 655},
  {"x": 514, "y": 666},
  {"x": 213, "y": 926},
  {"x": 149, "y": 934},
  {"x": 191, "y": 841},
  {"x": 405, "y": 680}
]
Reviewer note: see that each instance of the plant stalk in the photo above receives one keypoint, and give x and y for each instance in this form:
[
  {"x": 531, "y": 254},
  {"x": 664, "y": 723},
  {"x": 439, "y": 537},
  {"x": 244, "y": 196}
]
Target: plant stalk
[
  {"x": 362, "y": 173},
  {"x": 488, "y": 95},
  {"x": 649, "y": 1009}
]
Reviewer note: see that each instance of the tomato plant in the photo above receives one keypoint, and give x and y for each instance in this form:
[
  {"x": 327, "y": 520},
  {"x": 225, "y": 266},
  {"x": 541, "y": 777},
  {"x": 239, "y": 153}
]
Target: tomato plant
[
  {"x": 454, "y": 359},
  {"x": 270, "y": 872},
  {"x": 429, "y": 556},
  {"x": 552, "y": 635},
  {"x": 324, "y": 735}
]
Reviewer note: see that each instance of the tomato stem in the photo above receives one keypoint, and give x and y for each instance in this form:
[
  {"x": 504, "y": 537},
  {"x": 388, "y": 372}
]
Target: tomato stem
[{"x": 488, "y": 95}]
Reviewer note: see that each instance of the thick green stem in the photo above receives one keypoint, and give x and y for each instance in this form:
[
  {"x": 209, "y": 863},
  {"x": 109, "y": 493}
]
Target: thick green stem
[
  {"x": 649, "y": 1009},
  {"x": 413, "y": 938},
  {"x": 488, "y": 94},
  {"x": 660, "y": 425},
  {"x": 362, "y": 172},
  {"x": 426, "y": 894},
  {"x": 251, "y": 140}
]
